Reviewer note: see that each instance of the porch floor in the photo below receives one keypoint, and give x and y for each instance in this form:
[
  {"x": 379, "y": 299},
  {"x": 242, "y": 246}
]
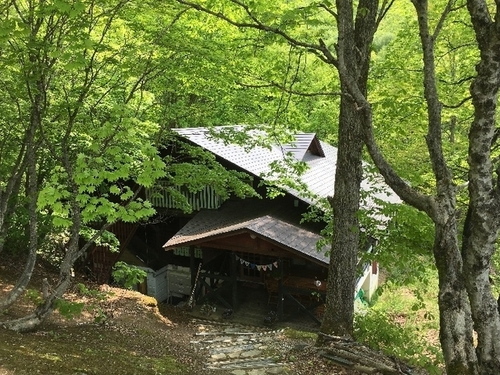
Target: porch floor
[{"x": 253, "y": 306}]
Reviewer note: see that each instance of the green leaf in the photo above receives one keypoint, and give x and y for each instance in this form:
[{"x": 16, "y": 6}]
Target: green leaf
[
  {"x": 114, "y": 190},
  {"x": 61, "y": 222}
]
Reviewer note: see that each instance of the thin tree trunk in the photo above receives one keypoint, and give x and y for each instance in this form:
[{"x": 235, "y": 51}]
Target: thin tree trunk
[
  {"x": 30, "y": 160},
  {"x": 32, "y": 321},
  {"x": 455, "y": 320},
  {"x": 9, "y": 193},
  {"x": 22, "y": 281}
]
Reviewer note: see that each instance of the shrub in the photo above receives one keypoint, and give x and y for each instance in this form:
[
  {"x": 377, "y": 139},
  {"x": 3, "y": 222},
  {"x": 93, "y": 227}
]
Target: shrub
[
  {"x": 382, "y": 332},
  {"x": 128, "y": 275}
]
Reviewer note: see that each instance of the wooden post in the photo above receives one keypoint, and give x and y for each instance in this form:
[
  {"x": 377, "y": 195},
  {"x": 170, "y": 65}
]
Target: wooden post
[
  {"x": 280, "y": 290},
  {"x": 192, "y": 266},
  {"x": 234, "y": 283}
]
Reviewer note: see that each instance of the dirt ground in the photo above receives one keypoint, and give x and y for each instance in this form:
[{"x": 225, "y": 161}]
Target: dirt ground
[{"x": 121, "y": 332}]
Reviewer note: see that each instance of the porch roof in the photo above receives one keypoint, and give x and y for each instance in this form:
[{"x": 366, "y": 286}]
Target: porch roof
[{"x": 277, "y": 225}]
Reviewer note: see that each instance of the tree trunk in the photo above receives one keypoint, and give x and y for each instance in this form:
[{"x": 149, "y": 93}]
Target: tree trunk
[
  {"x": 482, "y": 227},
  {"x": 8, "y": 194},
  {"x": 483, "y": 219},
  {"x": 477, "y": 251},
  {"x": 339, "y": 312},
  {"x": 30, "y": 161},
  {"x": 455, "y": 322},
  {"x": 354, "y": 40},
  {"x": 32, "y": 321},
  {"x": 22, "y": 281}
]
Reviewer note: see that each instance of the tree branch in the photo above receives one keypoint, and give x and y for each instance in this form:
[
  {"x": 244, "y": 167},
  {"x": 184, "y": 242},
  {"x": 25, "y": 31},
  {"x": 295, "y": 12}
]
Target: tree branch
[
  {"x": 290, "y": 91},
  {"x": 384, "y": 8},
  {"x": 460, "y": 103},
  {"x": 329, "y": 10},
  {"x": 258, "y": 25},
  {"x": 443, "y": 17}
]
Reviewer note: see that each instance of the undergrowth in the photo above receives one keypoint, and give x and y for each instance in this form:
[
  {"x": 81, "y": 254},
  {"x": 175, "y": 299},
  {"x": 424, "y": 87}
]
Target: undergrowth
[{"x": 404, "y": 322}]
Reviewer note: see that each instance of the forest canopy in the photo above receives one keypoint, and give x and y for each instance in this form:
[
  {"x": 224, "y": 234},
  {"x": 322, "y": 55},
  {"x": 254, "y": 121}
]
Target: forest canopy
[{"x": 91, "y": 90}]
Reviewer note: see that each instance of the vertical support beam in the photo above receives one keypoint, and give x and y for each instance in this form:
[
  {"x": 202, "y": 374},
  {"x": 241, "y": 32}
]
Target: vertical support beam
[
  {"x": 280, "y": 290},
  {"x": 192, "y": 266},
  {"x": 234, "y": 281}
]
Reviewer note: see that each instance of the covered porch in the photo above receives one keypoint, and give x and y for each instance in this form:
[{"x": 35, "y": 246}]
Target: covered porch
[{"x": 248, "y": 250}]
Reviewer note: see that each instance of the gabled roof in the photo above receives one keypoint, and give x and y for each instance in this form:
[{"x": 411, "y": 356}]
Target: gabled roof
[
  {"x": 303, "y": 143},
  {"x": 320, "y": 157},
  {"x": 275, "y": 224}
]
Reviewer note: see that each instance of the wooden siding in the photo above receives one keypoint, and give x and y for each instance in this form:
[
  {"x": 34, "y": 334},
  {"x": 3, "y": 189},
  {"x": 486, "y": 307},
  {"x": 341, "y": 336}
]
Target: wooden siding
[
  {"x": 246, "y": 244},
  {"x": 102, "y": 260},
  {"x": 206, "y": 198}
]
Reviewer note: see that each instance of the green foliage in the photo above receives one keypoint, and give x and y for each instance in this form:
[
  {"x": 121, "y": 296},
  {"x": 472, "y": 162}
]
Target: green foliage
[
  {"x": 285, "y": 173},
  {"x": 93, "y": 307},
  {"x": 34, "y": 296},
  {"x": 92, "y": 293},
  {"x": 405, "y": 245},
  {"x": 495, "y": 275},
  {"x": 106, "y": 238},
  {"x": 128, "y": 275},
  {"x": 403, "y": 321},
  {"x": 68, "y": 309},
  {"x": 83, "y": 71},
  {"x": 194, "y": 170},
  {"x": 398, "y": 339},
  {"x": 53, "y": 247},
  {"x": 400, "y": 114}
]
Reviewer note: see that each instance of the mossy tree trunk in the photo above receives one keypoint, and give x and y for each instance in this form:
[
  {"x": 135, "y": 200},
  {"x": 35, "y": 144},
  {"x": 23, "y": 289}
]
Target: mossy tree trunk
[
  {"x": 355, "y": 36},
  {"x": 483, "y": 220}
]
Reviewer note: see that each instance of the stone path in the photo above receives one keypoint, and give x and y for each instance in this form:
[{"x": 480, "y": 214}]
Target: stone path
[{"x": 237, "y": 349}]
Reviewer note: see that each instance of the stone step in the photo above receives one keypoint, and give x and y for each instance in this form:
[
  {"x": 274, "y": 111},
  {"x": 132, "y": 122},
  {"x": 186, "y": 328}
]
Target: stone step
[
  {"x": 231, "y": 341},
  {"x": 228, "y": 332},
  {"x": 254, "y": 363},
  {"x": 218, "y": 357},
  {"x": 234, "y": 348},
  {"x": 213, "y": 325},
  {"x": 237, "y": 349}
]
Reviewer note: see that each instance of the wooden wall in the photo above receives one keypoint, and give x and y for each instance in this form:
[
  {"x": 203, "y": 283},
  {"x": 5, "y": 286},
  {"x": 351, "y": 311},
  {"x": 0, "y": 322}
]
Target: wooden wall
[{"x": 245, "y": 243}]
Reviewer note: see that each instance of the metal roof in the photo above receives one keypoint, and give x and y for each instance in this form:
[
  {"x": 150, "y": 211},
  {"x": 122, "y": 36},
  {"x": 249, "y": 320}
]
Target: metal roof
[
  {"x": 303, "y": 143},
  {"x": 276, "y": 224},
  {"x": 320, "y": 157}
]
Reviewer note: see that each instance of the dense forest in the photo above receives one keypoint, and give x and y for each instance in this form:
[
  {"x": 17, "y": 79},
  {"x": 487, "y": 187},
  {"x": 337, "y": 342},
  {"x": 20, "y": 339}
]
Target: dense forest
[{"x": 90, "y": 91}]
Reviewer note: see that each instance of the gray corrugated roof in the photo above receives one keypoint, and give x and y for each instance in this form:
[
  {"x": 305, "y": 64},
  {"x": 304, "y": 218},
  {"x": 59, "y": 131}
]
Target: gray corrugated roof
[
  {"x": 320, "y": 176},
  {"x": 276, "y": 224}
]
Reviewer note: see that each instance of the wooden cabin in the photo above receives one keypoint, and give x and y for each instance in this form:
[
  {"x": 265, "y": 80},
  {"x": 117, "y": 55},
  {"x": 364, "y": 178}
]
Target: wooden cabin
[{"x": 227, "y": 246}]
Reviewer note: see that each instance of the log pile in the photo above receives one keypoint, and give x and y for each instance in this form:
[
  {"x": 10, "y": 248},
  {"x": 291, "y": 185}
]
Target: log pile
[{"x": 351, "y": 354}]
